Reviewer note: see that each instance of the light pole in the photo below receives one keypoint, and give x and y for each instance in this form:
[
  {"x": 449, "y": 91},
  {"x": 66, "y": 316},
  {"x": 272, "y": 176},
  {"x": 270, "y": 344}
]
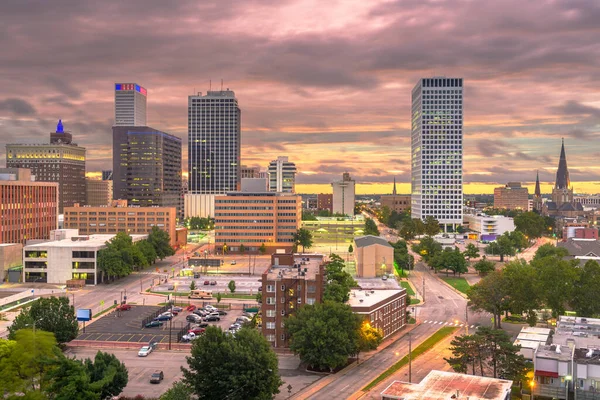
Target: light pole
[
  {"x": 409, "y": 358},
  {"x": 532, "y": 384},
  {"x": 567, "y": 380}
]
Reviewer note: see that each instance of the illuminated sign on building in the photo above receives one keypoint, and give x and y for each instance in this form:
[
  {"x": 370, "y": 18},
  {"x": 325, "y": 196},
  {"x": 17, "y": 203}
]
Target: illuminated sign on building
[{"x": 131, "y": 87}]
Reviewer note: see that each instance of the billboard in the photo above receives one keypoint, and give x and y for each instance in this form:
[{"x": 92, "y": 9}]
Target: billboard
[
  {"x": 84, "y": 314},
  {"x": 131, "y": 87}
]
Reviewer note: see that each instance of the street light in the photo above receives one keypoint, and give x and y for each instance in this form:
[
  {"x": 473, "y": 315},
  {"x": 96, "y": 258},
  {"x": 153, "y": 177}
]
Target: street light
[
  {"x": 532, "y": 384},
  {"x": 567, "y": 380}
]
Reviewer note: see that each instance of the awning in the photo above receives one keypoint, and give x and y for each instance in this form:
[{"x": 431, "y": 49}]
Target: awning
[{"x": 546, "y": 373}]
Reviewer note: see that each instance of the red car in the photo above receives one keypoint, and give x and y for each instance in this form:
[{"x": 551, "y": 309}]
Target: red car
[
  {"x": 197, "y": 331},
  {"x": 191, "y": 307},
  {"x": 124, "y": 307},
  {"x": 207, "y": 282}
]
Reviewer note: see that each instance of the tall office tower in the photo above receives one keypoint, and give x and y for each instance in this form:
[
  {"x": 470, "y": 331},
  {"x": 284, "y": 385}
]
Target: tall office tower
[
  {"x": 130, "y": 104},
  {"x": 344, "y": 195},
  {"x": 60, "y": 161},
  {"x": 282, "y": 176},
  {"x": 147, "y": 167},
  {"x": 107, "y": 175},
  {"x": 249, "y": 172},
  {"x": 437, "y": 150},
  {"x": 99, "y": 193},
  {"x": 214, "y": 142}
]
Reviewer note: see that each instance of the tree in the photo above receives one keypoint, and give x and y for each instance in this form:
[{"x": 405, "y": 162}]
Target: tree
[
  {"x": 521, "y": 279},
  {"x": 161, "y": 241},
  {"x": 419, "y": 226},
  {"x": 371, "y": 227},
  {"x": 518, "y": 239},
  {"x": 242, "y": 248},
  {"x": 303, "y": 237},
  {"x": 530, "y": 224},
  {"x": 490, "y": 294},
  {"x": 53, "y": 314},
  {"x": 324, "y": 335},
  {"x": 471, "y": 251},
  {"x": 179, "y": 391},
  {"x": 555, "y": 279},
  {"x": 308, "y": 216},
  {"x": 111, "y": 263},
  {"x": 384, "y": 215},
  {"x": 350, "y": 249},
  {"x": 262, "y": 249},
  {"x": 147, "y": 250},
  {"x": 450, "y": 260},
  {"x": 432, "y": 226},
  {"x": 428, "y": 248},
  {"x": 219, "y": 296},
  {"x": 407, "y": 229},
  {"x": 108, "y": 376},
  {"x": 503, "y": 246},
  {"x": 233, "y": 367},
  {"x": 69, "y": 380},
  {"x": 339, "y": 281},
  {"x": 369, "y": 337},
  {"x": 231, "y": 286},
  {"x": 484, "y": 266},
  {"x": 193, "y": 285},
  {"x": 548, "y": 250},
  {"x": 586, "y": 296}
]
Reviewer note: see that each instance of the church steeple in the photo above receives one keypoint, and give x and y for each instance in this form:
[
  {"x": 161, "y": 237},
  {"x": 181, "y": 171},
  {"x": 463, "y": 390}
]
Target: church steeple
[
  {"x": 538, "y": 192},
  {"x": 562, "y": 174},
  {"x": 394, "y": 190}
]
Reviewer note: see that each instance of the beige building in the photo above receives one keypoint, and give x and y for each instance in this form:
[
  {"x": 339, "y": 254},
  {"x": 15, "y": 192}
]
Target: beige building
[
  {"x": 511, "y": 197},
  {"x": 395, "y": 202},
  {"x": 110, "y": 220},
  {"x": 374, "y": 256},
  {"x": 344, "y": 195},
  {"x": 98, "y": 193},
  {"x": 11, "y": 255}
]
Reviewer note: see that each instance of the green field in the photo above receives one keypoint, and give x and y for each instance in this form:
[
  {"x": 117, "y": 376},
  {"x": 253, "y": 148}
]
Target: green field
[
  {"x": 459, "y": 284},
  {"x": 420, "y": 349},
  {"x": 406, "y": 286}
]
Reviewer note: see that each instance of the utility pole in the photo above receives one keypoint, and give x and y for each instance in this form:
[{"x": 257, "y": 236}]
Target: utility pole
[
  {"x": 409, "y": 358},
  {"x": 423, "y": 295}
]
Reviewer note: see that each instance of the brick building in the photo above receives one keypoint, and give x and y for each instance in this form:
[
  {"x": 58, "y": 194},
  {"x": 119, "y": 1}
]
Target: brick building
[
  {"x": 325, "y": 202},
  {"x": 395, "y": 202},
  {"x": 383, "y": 309},
  {"x": 511, "y": 197}
]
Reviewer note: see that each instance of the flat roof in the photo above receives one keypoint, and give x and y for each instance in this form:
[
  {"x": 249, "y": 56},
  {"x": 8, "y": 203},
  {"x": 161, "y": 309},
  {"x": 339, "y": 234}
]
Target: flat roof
[
  {"x": 442, "y": 385},
  {"x": 554, "y": 352},
  {"x": 86, "y": 241},
  {"x": 534, "y": 337},
  {"x": 527, "y": 344},
  {"x": 370, "y": 297},
  {"x": 308, "y": 262},
  {"x": 535, "y": 329}
]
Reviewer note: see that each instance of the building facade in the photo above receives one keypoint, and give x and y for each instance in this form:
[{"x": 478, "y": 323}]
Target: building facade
[
  {"x": 396, "y": 202},
  {"x": 253, "y": 219},
  {"x": 343, "y": 197},
  {"x": 374, "y": 256},
  {"x": 147, "y": 167},
  {"x": 562, "y": 204},
  {"x": 110, "y": 220},
  {"x": 249, "y": 172},
  {"x": 336, "y": 231},
  {"x": 512, "y": 196},
  {"x": 98, "y": 192},
  {"x": 29, "y": 209},
  {"x": 130, "y": 104},
  {"x": 282, "y": 175},
  {"x": 488, "y": 227},
  {"x": 291, "y": 281},
  {"x": 382, "y": 309},
  {"x": 437, "y": 150},
  {"x": 61, "y": 161},
  {"x": 107, "y": 175},
  {"x": 325, "y": 202}
]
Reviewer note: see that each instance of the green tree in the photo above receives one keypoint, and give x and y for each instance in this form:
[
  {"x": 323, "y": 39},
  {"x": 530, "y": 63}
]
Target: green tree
[
  {"x": 530, "y": 224},
  {"x": 371, "y": 227},
  {"x": 555, "y": 279},
  {"x": 231, "y": 286},
  {"x": 466, "y": 352},
  {"x": 432, "y": 226},
  {"x": 262, "y": 249},
  {"x": 324, "y": 335},
  {"x": 193, "y": 285},
  {"x": 147, "y": 250},
  {"x": 303, "y": 237},
  {"x": 339, "y": 281},
  {"x": 490, "y": 294},
  {"x": 586, "y": 296},
  {"x": 521, "y": 279},
  {"x": 108, "y": 376},
  {"x": 69, "y": 381},
  {"x": 384, "y": 214},
  {"x": 350, "y": 249},
  {"x": 219, "y": 296},
  {"x": 419, "y": 226},
  {"x": 111, "y": 263},
  {"x": 242, "y": 248},
  {"x": 179, "y": 391},
  {"x": 369, "y": 337},
  {"x": 503, "y": 246},
  {"x": 549, "y": 250},
  {"x": 471, "y": 251},
  {"x": 161, "y": 241},
  {"x": 233, "y": 367},
  {"x": 308, "y": 216},
  {"x": 518, "y": 239},
  {"x": 450, "y": 260},
  {"x": 484, "y": 266},
  {"x": 428, "y": 248},
  {"x": 407, "y": 229},
  {"x": 53, "y": 314}
]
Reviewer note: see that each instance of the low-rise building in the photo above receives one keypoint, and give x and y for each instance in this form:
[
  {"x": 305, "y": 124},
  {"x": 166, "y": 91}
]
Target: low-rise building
[
  {"x": 325, "y": 202},
  {"x": 441, "y": 385},
  {"x": 74, "y": 257},
  {"x": 11, "y": 258},
  {"x": 395, "y": 202},
  {"x": 581, "y": 249},
  {"x": 489, "y": 225},
  {"x": 199, "y": 205},
  {"x": 373, "y": 255},
  {"x": 291, "y": 281},
  {"x": 530, "y": 338},
  {"x": 512, "y": 196},
  {"x": 382, "y": 309},
  {"x": 336, "y": 230}
]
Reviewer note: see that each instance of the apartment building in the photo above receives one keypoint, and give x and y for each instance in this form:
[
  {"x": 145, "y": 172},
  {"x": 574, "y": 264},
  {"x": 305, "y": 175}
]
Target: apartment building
[
  {"x": 383, "y": 309},
  {"x": 291, "y": 281}
]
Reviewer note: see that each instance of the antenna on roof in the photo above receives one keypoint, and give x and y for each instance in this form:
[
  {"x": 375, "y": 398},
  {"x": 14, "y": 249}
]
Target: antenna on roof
[
  {"x": 221, "y": 84},
  {"x": 210, "y": 84}
]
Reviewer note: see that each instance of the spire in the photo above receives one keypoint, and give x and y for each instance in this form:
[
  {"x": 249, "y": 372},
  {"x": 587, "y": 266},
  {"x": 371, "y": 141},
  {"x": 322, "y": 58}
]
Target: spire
[
  {"x": 538, "y": 192},
  {"x": 562, "y": 174},
  {"x": 59, "y": 127},
  {"x": 394, "y": 191}
]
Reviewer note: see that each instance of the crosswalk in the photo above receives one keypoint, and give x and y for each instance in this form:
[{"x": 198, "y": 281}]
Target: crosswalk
[{"x": 446, "y": 323}]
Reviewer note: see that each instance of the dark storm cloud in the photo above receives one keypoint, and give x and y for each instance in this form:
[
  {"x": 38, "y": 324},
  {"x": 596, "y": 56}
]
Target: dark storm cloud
[{"x": 18, "y": 107}]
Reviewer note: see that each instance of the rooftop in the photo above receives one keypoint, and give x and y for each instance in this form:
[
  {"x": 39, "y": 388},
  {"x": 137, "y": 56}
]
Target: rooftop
[
  {"x": 79, "y": 241},
  {"x": 584, "y": 332},
  {"x": 304, "y": 266},
  {"x": 364, "y": 241},
  {"x": 368, "y": 298},
  {"x": 587, "y": 356},
  {"x": 444, "y": 385},
  {"x": 554, "y": 352}
]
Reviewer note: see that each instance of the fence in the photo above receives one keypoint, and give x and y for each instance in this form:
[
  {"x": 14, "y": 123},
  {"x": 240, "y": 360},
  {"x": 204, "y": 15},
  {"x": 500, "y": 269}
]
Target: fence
[{"x": 155, "y": 314}]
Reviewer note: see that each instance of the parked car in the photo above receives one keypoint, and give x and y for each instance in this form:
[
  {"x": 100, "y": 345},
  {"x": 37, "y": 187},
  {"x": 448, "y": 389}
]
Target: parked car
[
  {"x": 189, "y": 337},
  {"x": 178, "y": 309},
  {"x": 243, "y": 319},
  {"x": 170, "y": 287},
  {"x": 153, "y": 324},
  {"x": 191, "y": 307},
  {"x": 168, "y": 314},
  {"x": 144, "y": 351},
  {"x": 124, "y": 307},
  {"x": 201, "y": 325},
  {"x": 233, "y": 262},
  {"x": 222, "y": 312},
  {"x": 211, "y": 318},
  {"x": 207, "y": 282},
  {"x": 197, "y": 331},
  {"x": 248, "y": 315},
  {"x": 235, "y": 327},
  {"x": 384, "y": 277},
  {"x": 174, "y": 312},
  {"x": 215, "y": 313},
  {"x": 200, "y": 313},
  {"x": 213, "y": 283},
  {"x": 211, "y": 308},
  {"x": 163, "y": 318},
  {"x": 193, "y": 318},
  {"x": 154, "y": 345},
  {"x": 157, "y": 377}
]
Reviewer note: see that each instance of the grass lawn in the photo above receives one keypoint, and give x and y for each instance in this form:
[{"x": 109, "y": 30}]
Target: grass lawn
[
  {"x": 420, "y": 349},
  {"x": 459, "y": 284},
  {"x": 104, "y": 311},
  {"x": 414, "y": 301},
  {"x": 178, "y": 294},
  {"x": 236, "y": 296},
  {"x": 406, "y": 286}
]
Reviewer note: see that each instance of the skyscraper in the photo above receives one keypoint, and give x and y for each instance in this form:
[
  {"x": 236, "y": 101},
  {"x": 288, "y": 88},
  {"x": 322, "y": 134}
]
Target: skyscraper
[
  {"x": 282, "y": 176},
  {"x": 130, "y": 104},
  {"x": 61, "y": 161},
  {"x": 437, "y": 150},
  {"x": 214, "y": 142}
]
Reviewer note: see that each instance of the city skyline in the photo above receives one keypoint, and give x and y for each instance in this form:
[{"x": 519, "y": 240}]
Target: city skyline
[{"x": 307, "y": 84}]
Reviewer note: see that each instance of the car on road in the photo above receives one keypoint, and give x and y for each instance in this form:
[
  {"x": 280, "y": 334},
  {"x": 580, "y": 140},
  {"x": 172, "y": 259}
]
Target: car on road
[
  {"x": 171, "y": 287},
  {"x": 197, "y": 331},
  {"x": 211, "y": 318},
  {"x": 157, "y": 377},
  {"x": 233, "y": 262},
  {"x": 191, "y": 307},
  {"x": 163, "y": 318},
  {"x": 124, "y": 307},
  {"x": 193, "y": 318},
  {"x": 213, "y": 283},
  {"x": 144, "y": 351},
  {"x": 153, "y": 324},
  {"x": 207, "y": 282}
]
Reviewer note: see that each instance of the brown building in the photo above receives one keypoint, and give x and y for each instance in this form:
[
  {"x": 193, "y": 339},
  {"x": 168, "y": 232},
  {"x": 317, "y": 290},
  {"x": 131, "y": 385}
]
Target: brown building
[
  {"x": 252, "y": 219},
  {"x": 382, "y": 309},
  {"x": 325, "y": 202},
  {"x": 98, "y": 193},
  {"x": 110, "y": 220},
  {"x": 511, "y": 197},
  {"x": 292, "y": 281},
  {"x": 60, "y": 161},
  {"x": 28, "y": 209},
  {"x": 249, "y": 172},
  {"x": 395, "y": 202},
  {"x": 373, "y": 255}
]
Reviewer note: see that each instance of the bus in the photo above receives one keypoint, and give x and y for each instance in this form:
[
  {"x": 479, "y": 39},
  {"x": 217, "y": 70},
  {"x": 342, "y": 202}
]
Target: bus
[{"x": 200, "y": 294}]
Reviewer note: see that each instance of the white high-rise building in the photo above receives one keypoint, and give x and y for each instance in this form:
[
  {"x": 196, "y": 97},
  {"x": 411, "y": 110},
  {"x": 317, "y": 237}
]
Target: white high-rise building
[
  {"x": 130, "y": 104},
  {"x": 437, "y": 150},
  {"x": 282, "y": 176},
  {"x": 344, "y": 195}
]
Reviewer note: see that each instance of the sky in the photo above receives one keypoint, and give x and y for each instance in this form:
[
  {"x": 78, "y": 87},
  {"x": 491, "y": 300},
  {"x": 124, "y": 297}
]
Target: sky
[{"x": 327, "y": 85}]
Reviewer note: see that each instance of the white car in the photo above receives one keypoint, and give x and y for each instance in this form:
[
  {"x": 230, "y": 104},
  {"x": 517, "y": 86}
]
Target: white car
[
  {"x": 144, "y": 351},
  {"x": 189, "y": 337},
  {"x": 211, "y": 308}
]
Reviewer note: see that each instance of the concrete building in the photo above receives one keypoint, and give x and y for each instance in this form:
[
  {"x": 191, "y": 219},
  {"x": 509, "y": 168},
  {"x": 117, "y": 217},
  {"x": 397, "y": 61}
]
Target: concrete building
[
  {"x": 61, "y": 161},
  {"x": 437, "y": 150},
  {"x": 11, "y": 258},
  {"x": 253, "y": 219},
  {"x": 512, "y": 196},
  {"x": 98, "y": 192},
  {"x": 382, "y": 309},
  {"x": 530, "y": 338},
  {"x": 74, "y": 257},
  {"x": 107, "y": 175},
  {"x": 343, "y": 195},
  {"x": 110, "y": 220},
  {"x": 130, "y": 104},
  {"x": 311, "y": 203},
  {"x": 442, "y": 385},
  {"x": 325, "y": 202},
  {"x": 254, "y": 185},
  {"x": 373, "y": 255},
  {"x": 147, "y": 167},
  {"x": 29, "y": 209},
  {"x": 249, "y": 172},
  {"x": 591, "y": 201},
  {"x": 336, "y": 231},
  {"x": 291, "y": 281},
  {"x": 489, "y": 225},
  {"x": 199, "y": 205},
  {"x": 282, "y": 175}
]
